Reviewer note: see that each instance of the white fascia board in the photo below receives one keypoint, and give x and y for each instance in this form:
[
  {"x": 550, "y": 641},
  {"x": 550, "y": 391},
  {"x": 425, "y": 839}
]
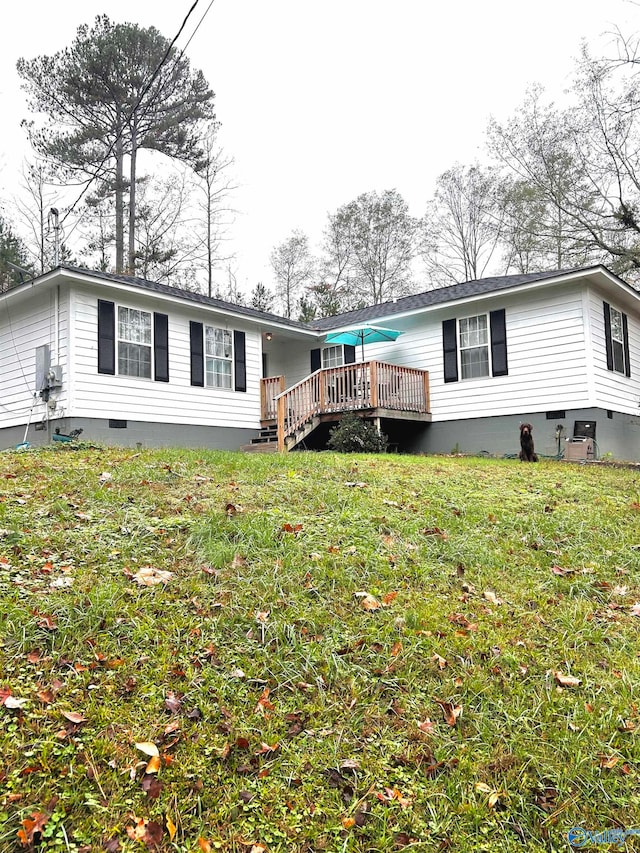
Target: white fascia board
[
  {"x": 599, "y": 274},
  {"x": 263, "y": 323}
]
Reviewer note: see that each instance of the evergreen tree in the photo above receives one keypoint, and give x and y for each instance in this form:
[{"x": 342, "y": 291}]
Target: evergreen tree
[{"x": 117, "y": 90}]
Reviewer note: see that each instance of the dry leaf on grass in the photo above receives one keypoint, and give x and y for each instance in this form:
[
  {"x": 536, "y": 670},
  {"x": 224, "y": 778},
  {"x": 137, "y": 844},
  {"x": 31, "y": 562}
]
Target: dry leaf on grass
[
  {"x": 450, "y": 711},
  {"x": 367, "y": 601},
  {"x": 566, "y": 680},
  {"x": 148, "y": 576}
]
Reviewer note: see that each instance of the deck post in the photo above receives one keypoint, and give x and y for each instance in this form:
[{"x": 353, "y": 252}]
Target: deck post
[
  {"x": 373, "y": 385},
  {"x": 281, "y": 405},
  {"x": 425, "y": 379}
]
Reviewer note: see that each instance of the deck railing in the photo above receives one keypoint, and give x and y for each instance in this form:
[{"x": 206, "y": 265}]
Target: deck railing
[
  {"x": 364, "y": 385},
  {"x": 269, "y": 390}
]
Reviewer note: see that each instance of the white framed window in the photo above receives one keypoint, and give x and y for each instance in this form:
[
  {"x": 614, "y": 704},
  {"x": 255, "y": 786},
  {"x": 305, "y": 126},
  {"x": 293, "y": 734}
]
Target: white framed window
[
  {"x": 134, "y": 342},
  {"x": 333, "y": 356},
  {"x": 474, "y": 346},
  {"x": 218, "y": 357},
  {"x": 617, "y": 340}
]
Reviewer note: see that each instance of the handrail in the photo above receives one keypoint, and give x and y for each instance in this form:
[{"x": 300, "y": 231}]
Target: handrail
[{"x": 362, "y": 385}]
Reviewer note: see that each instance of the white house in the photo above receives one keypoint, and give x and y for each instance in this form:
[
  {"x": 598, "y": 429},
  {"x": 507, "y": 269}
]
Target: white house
[{"x": 131, "y": 362}]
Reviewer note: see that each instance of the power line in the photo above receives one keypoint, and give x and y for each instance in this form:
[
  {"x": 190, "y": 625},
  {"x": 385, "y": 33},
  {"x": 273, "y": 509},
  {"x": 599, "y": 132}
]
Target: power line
[{"x": 197, "y": 27}]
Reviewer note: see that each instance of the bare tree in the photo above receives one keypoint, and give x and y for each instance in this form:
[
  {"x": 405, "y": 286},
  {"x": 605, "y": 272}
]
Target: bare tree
[
  {"x": 293, "y": 267},
  {"x": 215, "y": 187},
  {"x": 34, "y": 216},
  {"x": 462, "y": 226},
  {"x": 584, "y": 164},
  {"x": 369, "y": 247}
]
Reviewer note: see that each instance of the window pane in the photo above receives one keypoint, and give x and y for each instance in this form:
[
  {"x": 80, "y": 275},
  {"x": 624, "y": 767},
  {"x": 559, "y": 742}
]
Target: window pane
[
  {"x": 218, "y": 372},
  {"x": 618, "y": 356},
  {"x": 134, "y": 342},
  {"x": 474, "y": 362},
  {"x": 134, "y": 360},
  {"x": 473, "y": 331},
  {"x": 332, "y": 356},
  {"x": 616, "y": 325},
  {"x": 134, "y": 325}
]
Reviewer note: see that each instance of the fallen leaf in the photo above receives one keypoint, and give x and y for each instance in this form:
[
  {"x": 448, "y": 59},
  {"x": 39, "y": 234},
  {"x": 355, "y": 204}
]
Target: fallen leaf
[
  {"x": 148, "y": 576},
  {"x": 147, "y": 831},
  {"x": 171, "y": 827},
  {"x": 566, "y": 680},
  {"x": 32, "y": 826},
  {"x": 492, "y": 597},
  {"x": 348, "y": 822},
  {"x": 558, "y": 570},
  {"x": 149, "y": 748},
  {"x": 394, "y": 795},
  {"x": 450, "y": 711},
  {"x": 427, "y": 726},
  {"x": 204, "y": 845},
  {"x": 13, "y": 703},
  {"x": 74, "y": 717},
  {"x": 388, "y": 597},
  {"x": 266, "y": 748},
  {"x": 635, "y": 609},
  {"x": 442, "y": 663},
  {"x": 435, "y": 531},
  {"x": 367, "y": 601}
]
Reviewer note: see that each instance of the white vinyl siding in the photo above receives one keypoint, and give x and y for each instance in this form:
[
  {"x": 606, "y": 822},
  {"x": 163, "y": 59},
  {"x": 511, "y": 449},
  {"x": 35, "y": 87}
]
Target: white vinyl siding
[
  {"x": 546, "y": 353},
  {"x": 612, "y": 389},
  {"x": 176, "y": 401},
  {"x": 25, "y": 324}
]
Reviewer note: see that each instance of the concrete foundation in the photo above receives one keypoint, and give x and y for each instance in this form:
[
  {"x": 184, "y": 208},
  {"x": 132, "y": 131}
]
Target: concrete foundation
[
  {"x": 132, "y": 434},
  {"x": 617, "y": 435}
]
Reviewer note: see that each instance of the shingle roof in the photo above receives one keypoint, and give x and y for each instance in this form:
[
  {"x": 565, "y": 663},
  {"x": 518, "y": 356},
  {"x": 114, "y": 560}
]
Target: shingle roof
[
  {"x": 189, "y": 296},
  {"x": 440, "y": 296},
  {"x": 428, "y": 298}
]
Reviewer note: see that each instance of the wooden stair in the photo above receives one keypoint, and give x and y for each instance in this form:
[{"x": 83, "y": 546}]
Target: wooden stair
[{"x": 265, "y": 442}]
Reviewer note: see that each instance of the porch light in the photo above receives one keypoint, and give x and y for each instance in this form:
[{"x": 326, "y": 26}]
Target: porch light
[{"x": 268, "y": 336}]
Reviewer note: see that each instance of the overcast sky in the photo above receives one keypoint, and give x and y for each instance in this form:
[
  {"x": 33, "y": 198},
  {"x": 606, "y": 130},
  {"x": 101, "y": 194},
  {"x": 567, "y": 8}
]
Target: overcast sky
[{"x": 321, "y": 101}]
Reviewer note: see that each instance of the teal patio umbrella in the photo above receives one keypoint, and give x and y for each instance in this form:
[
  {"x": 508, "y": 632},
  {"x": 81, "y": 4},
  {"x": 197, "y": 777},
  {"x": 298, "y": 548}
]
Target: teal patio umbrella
[{"x": 362, "y": 335}]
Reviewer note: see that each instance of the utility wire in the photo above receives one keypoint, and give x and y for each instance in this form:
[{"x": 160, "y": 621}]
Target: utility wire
[
  {"x": 197, "y": 28},
  {"x": 134, "y": 108}
]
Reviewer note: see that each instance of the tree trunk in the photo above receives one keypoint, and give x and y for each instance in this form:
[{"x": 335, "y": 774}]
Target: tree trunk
[
  {"x": 119, "y": 190},
  {"x": 132, "y": 204}
]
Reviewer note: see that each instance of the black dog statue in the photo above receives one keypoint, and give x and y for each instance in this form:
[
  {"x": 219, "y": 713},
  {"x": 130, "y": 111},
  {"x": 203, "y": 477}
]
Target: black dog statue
[{"x": 527, "y": 452}]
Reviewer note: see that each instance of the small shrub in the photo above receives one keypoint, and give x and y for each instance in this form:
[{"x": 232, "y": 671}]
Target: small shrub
[{"x": 355, "y": 435}]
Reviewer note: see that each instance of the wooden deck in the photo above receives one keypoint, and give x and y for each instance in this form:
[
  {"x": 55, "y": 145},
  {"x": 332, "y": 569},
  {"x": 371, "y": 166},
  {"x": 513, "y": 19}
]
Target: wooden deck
[{"x": 373, "y": 388}]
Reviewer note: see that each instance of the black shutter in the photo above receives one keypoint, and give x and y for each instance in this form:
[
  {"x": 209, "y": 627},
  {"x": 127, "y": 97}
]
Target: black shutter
[
  {"x": 625, "y": 340},
  {"x": 349, "y": 354},
  {"x": 160, "y": 347},
  {"x": 450, "y": 348},
  {"x": 197, "y": 354},
  {"x": 106, "y": 337},
  {"x": 240, "y": 361},
  {"x": 316, "y": 360},
  {"x": 607, "y": 335},
  {"x": 498, "y": 326}
]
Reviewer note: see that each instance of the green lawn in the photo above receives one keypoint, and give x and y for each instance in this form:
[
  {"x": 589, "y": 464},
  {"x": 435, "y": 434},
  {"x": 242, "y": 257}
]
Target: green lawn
[{"x": 314, "y": 652}]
